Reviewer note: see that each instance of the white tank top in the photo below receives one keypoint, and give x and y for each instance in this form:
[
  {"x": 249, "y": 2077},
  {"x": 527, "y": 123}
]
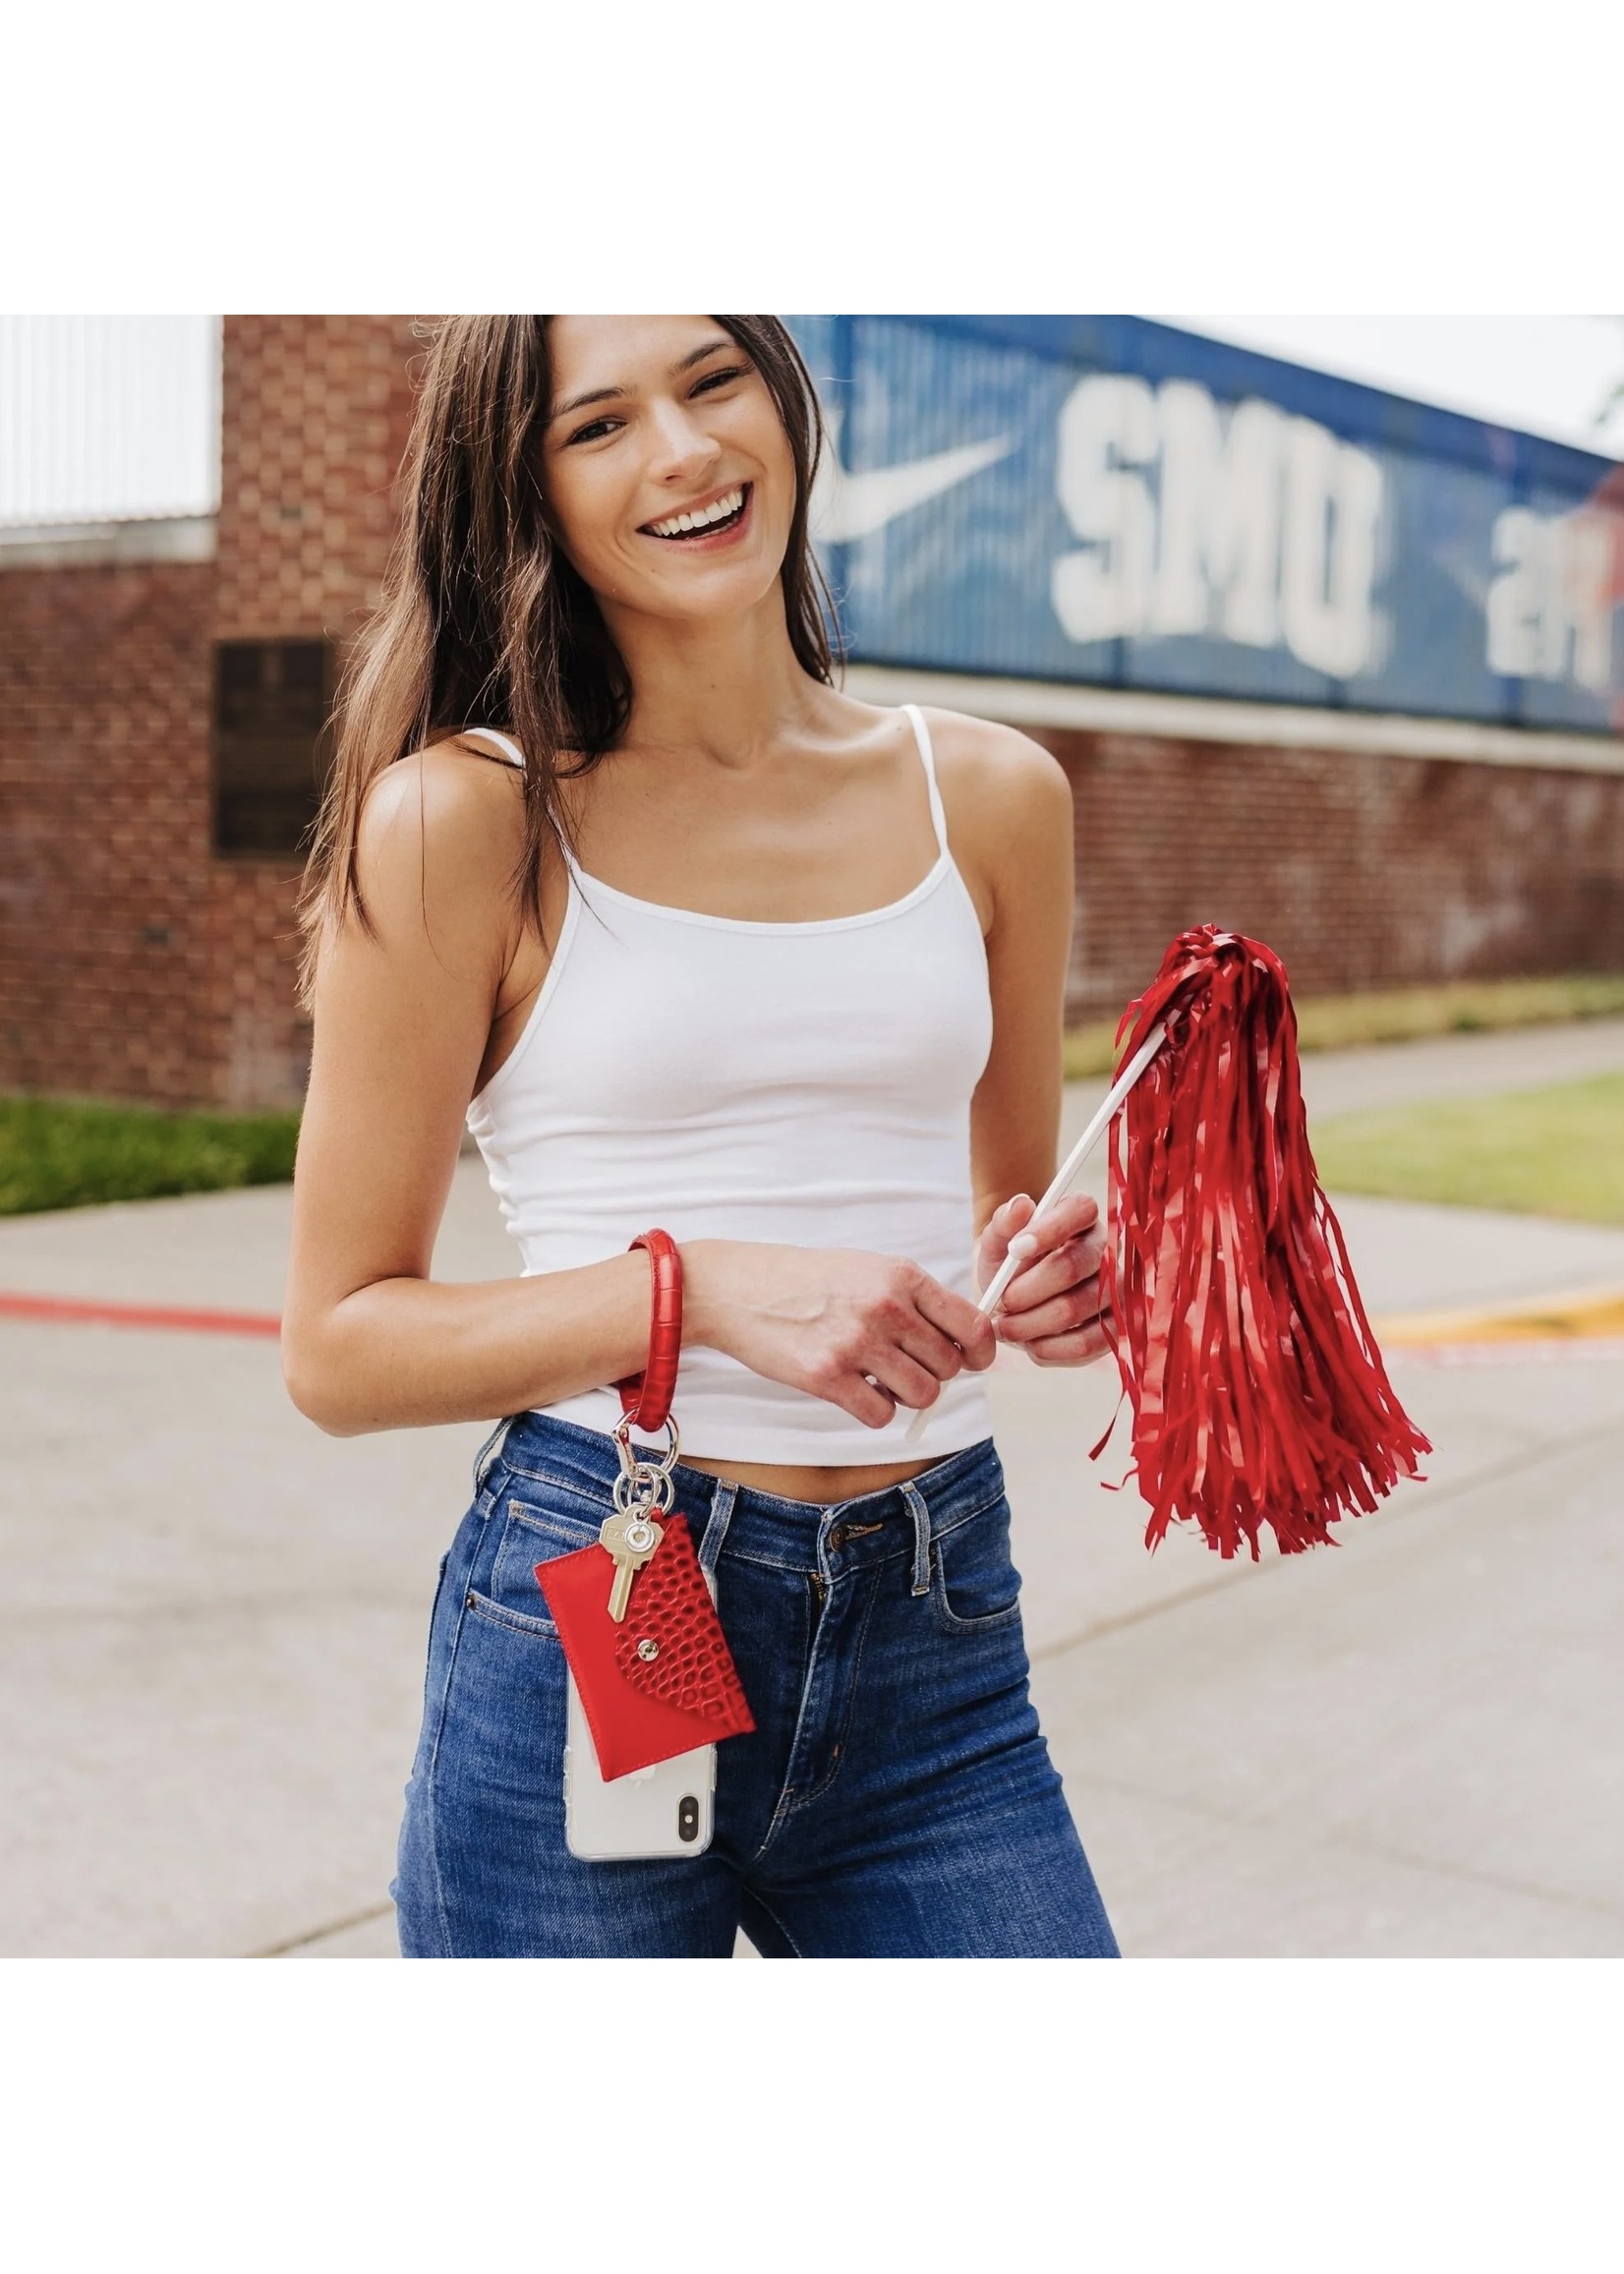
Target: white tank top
[{"x": 800, "y": 1083}]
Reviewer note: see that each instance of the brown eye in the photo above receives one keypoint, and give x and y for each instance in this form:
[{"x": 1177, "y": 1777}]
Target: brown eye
[{"x": 719, "y": 379}]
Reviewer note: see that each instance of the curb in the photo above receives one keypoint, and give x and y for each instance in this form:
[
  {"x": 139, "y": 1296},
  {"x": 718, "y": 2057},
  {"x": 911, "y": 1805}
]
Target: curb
[{"x": 1584, "y": 1314}]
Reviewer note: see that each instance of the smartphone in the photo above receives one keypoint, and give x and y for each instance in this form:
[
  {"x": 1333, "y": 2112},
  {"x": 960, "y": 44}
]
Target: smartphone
[{"x": 667, "y": 1810}]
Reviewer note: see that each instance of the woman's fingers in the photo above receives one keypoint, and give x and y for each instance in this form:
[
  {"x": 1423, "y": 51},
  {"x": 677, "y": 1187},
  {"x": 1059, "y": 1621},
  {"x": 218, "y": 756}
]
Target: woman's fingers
[
  {"x": 1078, "y": 1348},
  {"x": 928, "y": 1343},
  {"x": 873, "y": 1398},
  {"x": 865, "y": 1401},
  {"x": 909, "y": 1349},
  {"x": 909, "y": 1381},
  {"x": 1066, "y": 1220},
  {"x": 1003, "y": 1226},
  {"x": 1065, "y": 1314},
  {"x": 1073, "y": 1262},
  {"x": 959, "y": 1321},
  {"x": 1056, "y": 1296}
]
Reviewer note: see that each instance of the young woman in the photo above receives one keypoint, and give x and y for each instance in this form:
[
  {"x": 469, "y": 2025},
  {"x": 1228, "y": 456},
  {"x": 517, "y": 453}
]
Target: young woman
[{"x": 779, "y": 974}]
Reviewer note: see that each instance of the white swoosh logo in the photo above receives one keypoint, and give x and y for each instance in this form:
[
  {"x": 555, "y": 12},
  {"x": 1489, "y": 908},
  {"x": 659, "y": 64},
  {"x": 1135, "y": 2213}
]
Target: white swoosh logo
[{"x": 847, "y": 506}]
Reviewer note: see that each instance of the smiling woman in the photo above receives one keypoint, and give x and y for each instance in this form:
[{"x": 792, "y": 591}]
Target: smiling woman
[{"x": 781, "y": 973}]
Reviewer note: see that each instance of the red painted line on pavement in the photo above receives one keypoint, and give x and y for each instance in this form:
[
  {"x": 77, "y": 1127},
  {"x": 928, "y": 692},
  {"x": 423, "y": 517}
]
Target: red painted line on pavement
[{"x": 70, "y": 1309}]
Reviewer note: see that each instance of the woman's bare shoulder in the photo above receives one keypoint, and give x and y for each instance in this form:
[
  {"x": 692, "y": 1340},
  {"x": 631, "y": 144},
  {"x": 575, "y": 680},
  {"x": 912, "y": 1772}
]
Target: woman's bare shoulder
[
  {"x": 990, "y": 750},
  {"x": 459, "y": 776},
  {"x": 438, "y": 831},
  {"x": 995, "y": 777}
]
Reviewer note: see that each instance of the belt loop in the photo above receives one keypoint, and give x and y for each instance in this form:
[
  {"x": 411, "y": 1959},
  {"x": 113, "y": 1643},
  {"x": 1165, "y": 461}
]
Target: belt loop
[
  {"x": 919, "y": 1509},
  {"x": 483, "y": 1465},
  {"x": 716, "y": 1529}
]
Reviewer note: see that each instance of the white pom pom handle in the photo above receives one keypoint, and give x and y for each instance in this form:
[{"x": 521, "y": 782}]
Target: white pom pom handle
[{"x": 1068, "y": 1168}]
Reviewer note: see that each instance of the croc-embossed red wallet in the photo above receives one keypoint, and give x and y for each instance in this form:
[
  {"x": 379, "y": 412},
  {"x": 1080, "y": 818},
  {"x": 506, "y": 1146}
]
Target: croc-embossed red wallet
[{"x": 662, "y": 1680}]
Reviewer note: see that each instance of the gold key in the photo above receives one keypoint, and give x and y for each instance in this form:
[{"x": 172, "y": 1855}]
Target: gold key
[{"x": 630, "y": 1538}]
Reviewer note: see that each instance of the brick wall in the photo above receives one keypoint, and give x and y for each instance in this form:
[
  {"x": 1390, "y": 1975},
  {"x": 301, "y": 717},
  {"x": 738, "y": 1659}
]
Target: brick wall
[
  {"x": 134, "y": 962},
  {"x": 316, "y": 410},
  {"x": 1363, "y": 869},
  {"x": 105, "y": 921}
]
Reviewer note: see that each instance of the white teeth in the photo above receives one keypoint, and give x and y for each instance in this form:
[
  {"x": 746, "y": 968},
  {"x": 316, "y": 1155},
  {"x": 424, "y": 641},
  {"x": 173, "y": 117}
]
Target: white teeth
[{"x": 680, "y": 523}]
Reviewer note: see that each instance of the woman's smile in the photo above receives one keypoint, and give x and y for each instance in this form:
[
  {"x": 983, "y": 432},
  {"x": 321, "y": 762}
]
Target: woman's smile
[{"x": 714, "y": 522}]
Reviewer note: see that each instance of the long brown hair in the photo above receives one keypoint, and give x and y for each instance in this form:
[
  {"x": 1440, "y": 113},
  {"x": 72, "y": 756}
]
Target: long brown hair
[{"x": 481, "y": 621}]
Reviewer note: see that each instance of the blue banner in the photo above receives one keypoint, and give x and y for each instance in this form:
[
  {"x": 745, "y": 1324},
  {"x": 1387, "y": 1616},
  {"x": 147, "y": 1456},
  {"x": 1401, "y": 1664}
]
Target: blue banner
[{"x": 1115, "y": 501}]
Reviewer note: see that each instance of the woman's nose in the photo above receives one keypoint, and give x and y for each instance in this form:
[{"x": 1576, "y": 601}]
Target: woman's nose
[{"x": 682, "y": 445}]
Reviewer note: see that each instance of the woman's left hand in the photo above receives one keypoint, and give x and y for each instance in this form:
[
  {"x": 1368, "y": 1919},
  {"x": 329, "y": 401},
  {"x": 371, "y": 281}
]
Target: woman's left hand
[{"x": 1051, "y": 1307}]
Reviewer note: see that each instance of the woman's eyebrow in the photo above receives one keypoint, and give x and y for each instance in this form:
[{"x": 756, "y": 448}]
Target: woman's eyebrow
[
  {"x": 580, "y": 402},
  {"x": 698, "y": 354},
  {"x": 613, "y": 394}
]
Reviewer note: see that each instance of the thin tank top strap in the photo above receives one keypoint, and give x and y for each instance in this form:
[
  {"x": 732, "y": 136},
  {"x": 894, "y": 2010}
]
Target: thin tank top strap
[
  {"x": 921, "y": 734},
  {"x": 515, "y": 757},
  {"x": 504, "y": 742}
]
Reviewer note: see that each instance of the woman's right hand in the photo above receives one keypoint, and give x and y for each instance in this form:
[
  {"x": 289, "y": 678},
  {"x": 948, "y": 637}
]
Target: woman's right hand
[{"x": 867, "y": 1333}]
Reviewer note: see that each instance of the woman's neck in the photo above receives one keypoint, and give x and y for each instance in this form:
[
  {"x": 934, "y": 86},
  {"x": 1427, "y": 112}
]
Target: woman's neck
[{"x": 723, "y": 692}]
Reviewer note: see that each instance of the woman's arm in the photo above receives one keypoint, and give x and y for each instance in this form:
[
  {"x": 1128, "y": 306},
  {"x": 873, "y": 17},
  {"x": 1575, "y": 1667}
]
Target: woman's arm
[
  {"x": 1012, "y": 809},
  {"x": 368, "y": 1341},
  {"x": 1020, "y": 825}
]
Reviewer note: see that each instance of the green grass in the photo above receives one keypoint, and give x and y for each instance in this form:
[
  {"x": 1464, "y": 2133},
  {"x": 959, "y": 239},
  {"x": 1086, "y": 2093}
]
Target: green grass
[
  {"x": 1406, "y": 1015},
  {"x": 1557, "y": 1151},
  {"x": 1498, "y": 1154},
  {"x": 56, "y": 1155}
]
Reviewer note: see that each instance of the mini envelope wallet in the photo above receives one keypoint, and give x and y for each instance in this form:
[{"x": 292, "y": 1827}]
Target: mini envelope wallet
[{"x": 662, "y": 1680}]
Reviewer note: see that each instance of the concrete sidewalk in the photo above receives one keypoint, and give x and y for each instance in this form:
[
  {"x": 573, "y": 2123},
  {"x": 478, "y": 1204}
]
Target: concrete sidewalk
[
  {"x": 216, "y": 1617},
  {"x": 1336, "y": 1081}
]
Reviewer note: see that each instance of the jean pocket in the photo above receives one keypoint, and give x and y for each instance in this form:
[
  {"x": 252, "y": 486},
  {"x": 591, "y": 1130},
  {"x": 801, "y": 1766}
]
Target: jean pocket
[
  {"x": 532, "y": 1532},
  {"x": 975, "y": 1587}
]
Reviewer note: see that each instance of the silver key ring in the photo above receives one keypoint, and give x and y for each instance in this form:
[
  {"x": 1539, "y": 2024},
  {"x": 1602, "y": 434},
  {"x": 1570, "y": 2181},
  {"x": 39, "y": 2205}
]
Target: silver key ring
[
  {"x": 630, "y": 1461},
  {"x": 643, "y": 1491}
]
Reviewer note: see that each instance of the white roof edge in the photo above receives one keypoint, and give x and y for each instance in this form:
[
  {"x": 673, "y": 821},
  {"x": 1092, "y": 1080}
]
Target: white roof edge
[
  {"x": 92, "y": 544},
  {"x": 1213, "y": 719}
]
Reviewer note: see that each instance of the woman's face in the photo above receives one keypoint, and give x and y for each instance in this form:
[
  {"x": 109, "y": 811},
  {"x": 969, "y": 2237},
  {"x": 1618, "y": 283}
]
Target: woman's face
[{"x": 667, "y": 474}]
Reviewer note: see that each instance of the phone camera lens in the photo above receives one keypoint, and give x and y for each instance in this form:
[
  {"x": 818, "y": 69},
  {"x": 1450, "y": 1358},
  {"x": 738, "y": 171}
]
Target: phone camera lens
[{"x": 687, "y": 1817}]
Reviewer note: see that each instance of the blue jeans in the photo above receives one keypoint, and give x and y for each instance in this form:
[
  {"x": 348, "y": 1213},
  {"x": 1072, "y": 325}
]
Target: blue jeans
[{"x": 895, "y": 1798}]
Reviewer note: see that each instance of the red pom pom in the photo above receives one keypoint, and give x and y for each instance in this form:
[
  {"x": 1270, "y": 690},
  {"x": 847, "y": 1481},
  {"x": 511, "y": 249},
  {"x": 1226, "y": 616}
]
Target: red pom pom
[{"x": 1259, "y": 1393}]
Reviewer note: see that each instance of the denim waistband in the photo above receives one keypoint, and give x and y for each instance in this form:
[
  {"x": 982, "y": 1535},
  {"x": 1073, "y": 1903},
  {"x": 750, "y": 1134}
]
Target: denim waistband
[{"x": 798, "y": 1535}]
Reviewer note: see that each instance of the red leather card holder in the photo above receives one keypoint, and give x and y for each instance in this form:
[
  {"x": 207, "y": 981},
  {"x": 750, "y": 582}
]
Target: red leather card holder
[{"x": 662, "y": 1680}]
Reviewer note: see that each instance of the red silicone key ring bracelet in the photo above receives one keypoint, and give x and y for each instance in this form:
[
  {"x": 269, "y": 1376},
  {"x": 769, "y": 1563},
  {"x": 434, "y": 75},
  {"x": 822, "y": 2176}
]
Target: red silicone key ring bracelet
[{"x": 647, "y": 1396}]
